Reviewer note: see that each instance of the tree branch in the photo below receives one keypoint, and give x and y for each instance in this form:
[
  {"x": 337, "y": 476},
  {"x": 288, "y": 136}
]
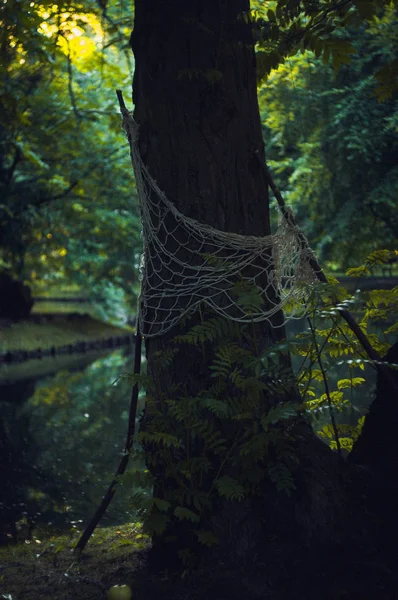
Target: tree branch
[
  {"x": 65, "y": 192},
  {"x": 70, "y": 82},
  {"x": 16, "y": 160},
  {"x": 345, "y": 314},
  {"x": 106, "y": 500},
  {"x": 326, "y": 386}
]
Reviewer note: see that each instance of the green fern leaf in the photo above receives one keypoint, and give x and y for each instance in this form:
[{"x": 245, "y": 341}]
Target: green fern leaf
[
  {"x": 161, "y": 504},
  {"x": 279, "y": 413},
  {"x": 281, "y": 476},
  {"x": 207, "y": 538},
  {"x": 184, "y": 513},
  {"x": 156, "y": 523},
  {"x": 230, "y": 488}
]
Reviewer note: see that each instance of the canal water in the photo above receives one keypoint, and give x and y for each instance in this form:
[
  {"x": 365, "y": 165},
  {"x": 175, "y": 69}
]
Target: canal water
[{"x": 63, "y": 424}]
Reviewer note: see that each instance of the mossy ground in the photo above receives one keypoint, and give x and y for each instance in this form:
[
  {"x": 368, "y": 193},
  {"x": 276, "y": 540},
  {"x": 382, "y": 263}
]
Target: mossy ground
[
  {"x": 49, "y": 568},
  {"x": 41, "y": 288},
  {"x": 36, "y": 568}
]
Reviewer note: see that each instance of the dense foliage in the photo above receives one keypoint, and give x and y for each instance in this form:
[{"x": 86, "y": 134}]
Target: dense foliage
[
  {"x": 215, "y": 445},
  {"x": 221, "y": 425},
  {"x": 331, "y": 138},
  {"x": 68, "y": 214}
]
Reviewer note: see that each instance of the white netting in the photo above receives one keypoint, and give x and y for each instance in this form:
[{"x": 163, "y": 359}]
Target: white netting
[{"x": 186, "y": 263}]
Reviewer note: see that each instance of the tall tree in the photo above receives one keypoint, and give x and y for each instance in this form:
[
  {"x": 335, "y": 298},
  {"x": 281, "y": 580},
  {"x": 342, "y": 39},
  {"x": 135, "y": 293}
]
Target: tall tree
[
  {"x": 200, "y": 137},
  {"x": 60, "y": 142}
]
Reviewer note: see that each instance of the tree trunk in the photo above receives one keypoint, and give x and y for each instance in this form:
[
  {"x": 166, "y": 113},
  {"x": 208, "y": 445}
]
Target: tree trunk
[
  {"x": 200, "y": 137},
  {"x": 376, "y": 454},
  {"x": 196, "y": 104}
]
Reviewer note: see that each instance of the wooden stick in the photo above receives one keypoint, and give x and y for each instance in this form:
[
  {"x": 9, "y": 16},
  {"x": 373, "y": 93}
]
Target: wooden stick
[
  {"x": 106, "y": 500},
  {"x": 346, "y": 315}
]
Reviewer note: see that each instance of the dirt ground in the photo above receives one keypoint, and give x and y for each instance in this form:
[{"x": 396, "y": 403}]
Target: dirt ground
[
  {"x": 39, "y": 568},
  {"x": 36, "y": 568}
]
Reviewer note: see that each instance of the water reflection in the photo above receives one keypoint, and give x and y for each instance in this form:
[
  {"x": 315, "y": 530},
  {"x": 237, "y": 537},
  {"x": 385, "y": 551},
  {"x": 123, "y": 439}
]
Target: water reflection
[
  {"x": 61, "y": 436},
  {"x": 60, "y": 442}
]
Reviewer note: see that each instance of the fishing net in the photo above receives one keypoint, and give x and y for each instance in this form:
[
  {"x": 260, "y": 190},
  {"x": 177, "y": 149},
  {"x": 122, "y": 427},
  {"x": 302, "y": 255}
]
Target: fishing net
[{"x": 186, "y": 263}]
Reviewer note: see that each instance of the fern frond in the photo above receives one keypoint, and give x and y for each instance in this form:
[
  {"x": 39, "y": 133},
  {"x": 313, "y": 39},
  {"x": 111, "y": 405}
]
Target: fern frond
[
  {"x": 141, "y": 499},
  {"x": 167, "y": 440},
  {"x": 215, "y": 328},
  {"x": 183, "y": 513},
  {"x": 281, "y": 476},
  {"x": 155, "y": 523},
  {"x": 278, "y": 413},
  {"x": 161, "y": 504},
  {"x": 230, "y": 488},
  {"x": 219, "y": 408},
  {"x": 256, "y": 446},
  {"x": 164, "y": 358},
  {"x": 206, "y": 538}
]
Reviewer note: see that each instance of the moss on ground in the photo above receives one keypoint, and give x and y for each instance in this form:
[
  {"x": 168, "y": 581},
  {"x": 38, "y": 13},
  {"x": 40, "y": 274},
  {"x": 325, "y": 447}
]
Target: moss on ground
[
  {"x": 38, "y": 568},
  {"x": 59, "y": 331},
  {"x": 33, "y": 569}
]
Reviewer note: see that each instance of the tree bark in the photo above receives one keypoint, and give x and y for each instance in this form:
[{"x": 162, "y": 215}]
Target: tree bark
[
  {"x": 377, "y": 446},
  {"x": 376, "y": 454},
  {"x": 196, "y": 104},
  {"x": 200, "y": 136}
]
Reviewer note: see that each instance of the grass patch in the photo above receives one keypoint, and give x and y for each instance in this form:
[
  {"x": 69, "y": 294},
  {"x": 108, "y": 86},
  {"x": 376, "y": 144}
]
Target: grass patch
[
  {"x": 49, "y": 308},
  {"x": 36, "y": 568},
  {"x": 65, "y": 291},
  {"x": 57, "y": 331}
]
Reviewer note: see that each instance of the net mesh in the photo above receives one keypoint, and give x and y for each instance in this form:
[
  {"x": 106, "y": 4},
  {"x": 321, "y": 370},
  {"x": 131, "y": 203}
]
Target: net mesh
[{"x": 186, "y": 263}]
